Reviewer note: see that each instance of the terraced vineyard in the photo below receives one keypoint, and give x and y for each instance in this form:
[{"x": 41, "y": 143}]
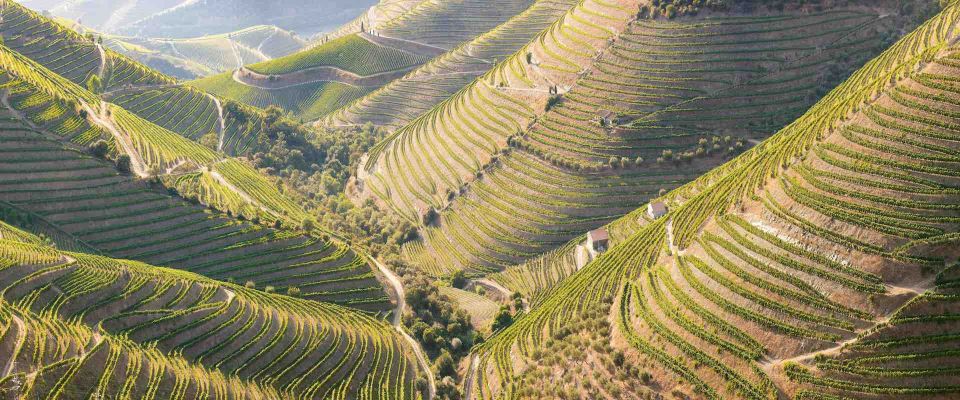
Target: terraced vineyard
[
  {"x": 352, "y": 53},
  {"x": 662, "y": 83},
  {"x": 87, "y": 200},
  {"x": 816, "y": 265},
  {"x": 193, "y": 114},
  {"x": 381, "y": 13},
  {"x": 78, "y": 325},
  {"x": 447, "y": 24},
  {"x": 391, "y": 51},
  {"x": 68, "y": 53},
  {"x": 308, "y": 101},
  {"x": 406, "y": 98},
  {"x": 219, "y": 53}
]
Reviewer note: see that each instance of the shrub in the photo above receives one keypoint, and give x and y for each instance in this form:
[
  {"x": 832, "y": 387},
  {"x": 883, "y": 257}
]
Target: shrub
[
  {"x": 503, "y": 319},
  {"x": 123, "y": 163},
  {"x": 444, "y": 365},
  {"x": 98, "y": 149},
  {"x": 552, "y": 101},
  {"x": 458, "y": 279}
]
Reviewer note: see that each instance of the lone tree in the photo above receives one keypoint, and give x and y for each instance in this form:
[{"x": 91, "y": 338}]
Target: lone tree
[
  {"x": 98, "y": 149},
  {"x": 503, "y": 319},
  {"x": 123, "y": 163},
  {"x": 93, "y": 83}
]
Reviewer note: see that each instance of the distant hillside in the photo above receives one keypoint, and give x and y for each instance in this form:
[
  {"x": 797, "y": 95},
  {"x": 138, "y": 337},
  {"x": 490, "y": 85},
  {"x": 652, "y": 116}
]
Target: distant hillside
[
  {"x": 208, "y": 55},
  {"x": 347, "y": 65},
  {"x": 186, "y": 19},
  {"x": 820, "y": 264},
  {"x": 407, "y": 98}
]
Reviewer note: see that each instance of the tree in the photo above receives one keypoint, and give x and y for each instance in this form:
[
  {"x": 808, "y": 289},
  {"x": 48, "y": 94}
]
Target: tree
[
  {"x": 447, "y": 389},
  {"x": 249, "y": 285},
  {"x": 670, "y": 11},
  {"x": 293, "y": 291},
  {"x": 502, "y": 319},
  {"x": 210, "y": 140},
  {"x": 444, "y": 365},
  {"x": 552, "y": 101},
  {"x": 123, "y": 163},
  {"x": 98, "y": 149},
  {"x": 308, "y": 224},
  {"x": 458, "y": 279}
]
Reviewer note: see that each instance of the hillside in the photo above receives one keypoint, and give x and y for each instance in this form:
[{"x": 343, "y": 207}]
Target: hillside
[
  {"x": 404, "y": 99},
  {"x": 314, "y": 82},
  {"x": 818, "y": 265},
  {"x": 90, "y": 65},
  {"x": 85, "y": 199},
  {"x": 376, "y": 16},
  {"x": 504, "y": 177},
  {"x": 57, "y": 120},
  {"x": 346, "y": 66},
  {"x": 77, "y": 325},
  {"x": 185, "y": 19},
  {"x": 192, "y": 58}
]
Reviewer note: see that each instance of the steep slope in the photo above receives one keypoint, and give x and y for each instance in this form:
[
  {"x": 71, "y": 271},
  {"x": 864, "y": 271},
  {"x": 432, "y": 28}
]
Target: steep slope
[
  {"x": 85, "y": 199},
  {"x": 106, "y": 72},
  {"x": 800, "y": 251},
  {"x": 343, "y": 68},
  {"x": 406, "y": 98},
  {"x": 515, "y": 183},
  {"x": 209, "y": 55},
  {"x": 375, "y": 17},
  {"x": 59, "y": 116},
  {"x": 313, "y": 82},
  {"x": 190, "y": 18},
  {"x": 77, "y": 325}
]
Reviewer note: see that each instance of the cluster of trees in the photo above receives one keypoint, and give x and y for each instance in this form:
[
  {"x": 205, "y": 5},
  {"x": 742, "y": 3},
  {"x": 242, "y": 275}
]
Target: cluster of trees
[
  {"x": 705, "y": 147},
  {"x": 674, "y": 8},
  {"x": 100, "y": 149},
  {"x": 318, "y": 164},
  {"x": 443, "y": 329},
  {"x": 504, "y": 317}
]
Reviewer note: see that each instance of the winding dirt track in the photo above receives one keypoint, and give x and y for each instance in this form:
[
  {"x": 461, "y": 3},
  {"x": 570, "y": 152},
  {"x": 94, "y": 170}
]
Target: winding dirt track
[{"x": 394, "y": 281}]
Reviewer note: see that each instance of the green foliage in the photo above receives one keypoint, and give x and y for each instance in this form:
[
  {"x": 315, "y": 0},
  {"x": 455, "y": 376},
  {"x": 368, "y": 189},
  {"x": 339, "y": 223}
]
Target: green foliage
[
  {"x": 351, "y": 53},
  {"x": 98, "y": 149},
  {"x": 123, "y": 163},
  {"x": 502, "y": 319},
  {"x": 458, "y": 279}
]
